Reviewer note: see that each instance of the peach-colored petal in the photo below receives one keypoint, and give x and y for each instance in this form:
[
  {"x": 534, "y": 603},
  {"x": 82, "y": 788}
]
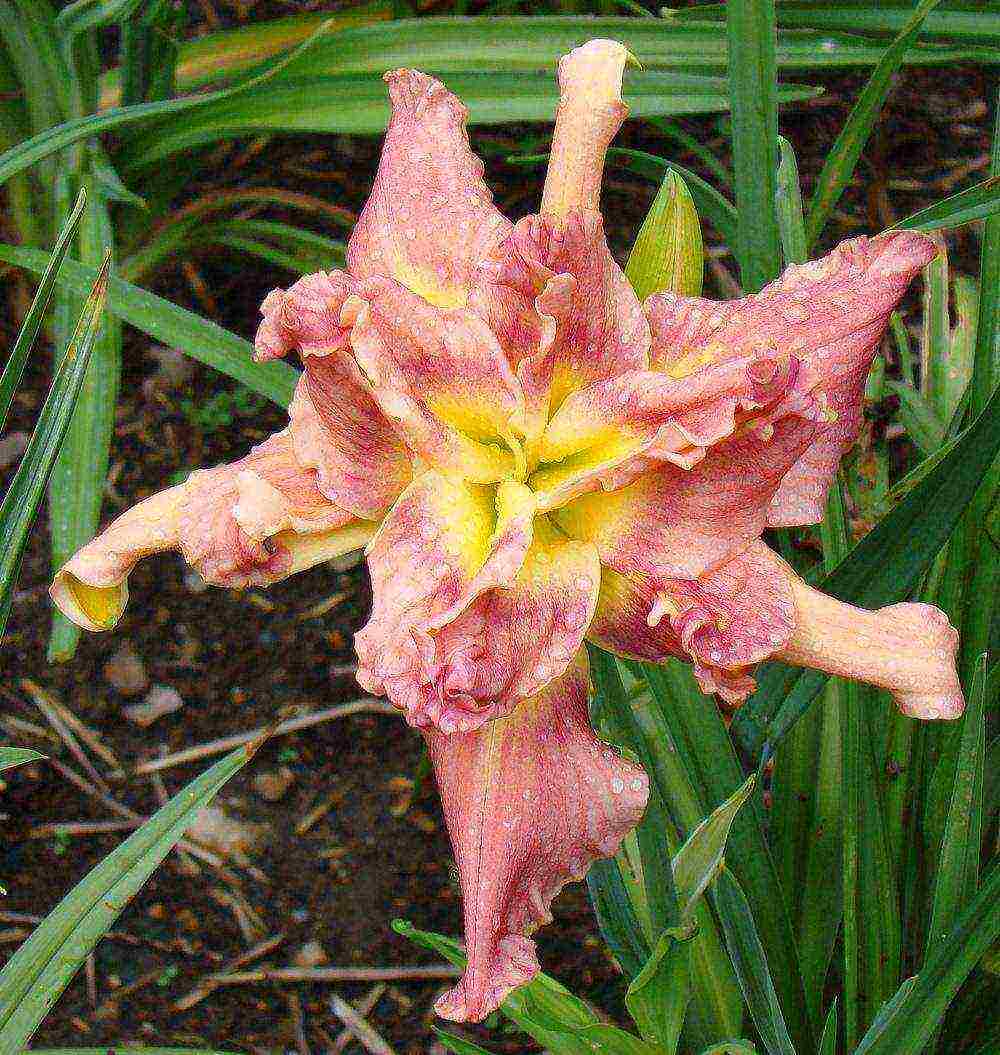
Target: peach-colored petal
[
  {"x": 828, "y": 316},
  {"x": 612, "y": 431},
  {"x": 590, "y": 113},
  {"x": 441, "y": 377},
  {"x": 442, "y": 544},
  {"x": 530, "y": 801},
  {"x": 563, "y": 311},
  {"x": 304, "y": 318},
  {"x": 908, "y": 649},
  {"x": 512, "y": 640},
  {"x": 678, "y": 523},
  {"x": 430, "y": 218},
  {"x": 339, "y": 430},
  {"x": 253, "y": 522},
  {"x": 724, "y": 622}
]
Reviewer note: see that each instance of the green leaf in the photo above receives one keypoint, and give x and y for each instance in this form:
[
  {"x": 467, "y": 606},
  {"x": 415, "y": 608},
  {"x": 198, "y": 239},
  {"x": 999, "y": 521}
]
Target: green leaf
[
  {"x": 43, "y": 966},
  {"x": 59, "y": 136},
  {"x": 174, "y": 326},
  {"x": 842, "y": 158},
  {"x": 828, "y": 1038},
  {"x": 970, "y": 20},
  {"x": 751, "y": 965},
  {"x": 283, "y": 245},
  {"x": 754, "y": 106},
  {"x": 958, "y": 859},
  {"x": 883, "y": 568},
  {"x": 668, "y": 254},
  {"x": 76, "y": 485},
  {"x": 658, "y": 996},
  {"x": 872, "y": 928},
  {"x": 731, "y": 1047},
  {"x": 17, "y": 756},
  {"x": 791, "y": 223},
  {"x": 14, "y": 367},
  {"x": 20, "y": 503},
  {"x": 82, "y": 15},
  {"x": 973, "y": 203},
  {"x": 700, "y": 859},
  {"x": 701, "y": 741},
  {"x": 358, "y": 105},
  {"x": 458, "y": 1045},
  {"x": 915, "y": 1012}
]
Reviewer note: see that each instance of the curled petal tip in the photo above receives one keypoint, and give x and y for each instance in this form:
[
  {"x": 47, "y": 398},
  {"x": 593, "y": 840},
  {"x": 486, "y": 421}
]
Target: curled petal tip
[
  {"x": 908, "y": 649},
  {"x": 590, "y": 113}
]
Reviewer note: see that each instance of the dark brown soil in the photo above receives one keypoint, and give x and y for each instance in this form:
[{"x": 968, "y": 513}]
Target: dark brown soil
[{"x": 237, "y": 665}]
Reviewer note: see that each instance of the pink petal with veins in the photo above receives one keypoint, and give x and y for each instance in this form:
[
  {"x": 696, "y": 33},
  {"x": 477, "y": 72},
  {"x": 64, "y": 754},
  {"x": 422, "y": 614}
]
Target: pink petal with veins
[
  {"x": 511, "y": 641},
  {"x": 339, "y": 430},
  {"x": 253, "y": 522},
  {"x": 724, "y": 622},
  {"x": 305, "y": 318},
  {"x": 430, "y": 219},
  {"x": 443, "y": 544},
  {"x": 562, "y": 309},
  {"x": 679, "y": 523},
  {"x": 441, "y": 377},
  {"x": 829, "y": 315},
  {"x": 530, "y": 801}
]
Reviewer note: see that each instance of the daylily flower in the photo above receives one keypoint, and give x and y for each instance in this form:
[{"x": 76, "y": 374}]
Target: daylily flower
[{"x": 532, "y": 457}]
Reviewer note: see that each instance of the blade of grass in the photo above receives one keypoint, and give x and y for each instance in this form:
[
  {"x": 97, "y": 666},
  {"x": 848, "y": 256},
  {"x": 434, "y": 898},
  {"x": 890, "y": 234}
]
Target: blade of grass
[
  {"x": 973, "y": 203},
  {"x": 17, "y": 756},
  {"x": 20, "y": 503},
  {"x": 58, "y": 137},
  {"x": 14, "y": 367},
  {"x": 912, "y": 1019},
  {"x": 754, "y": 106},
  {"x": 751, "y": 965},
  {"x": 843, "y": 156},
  {"x": 973, "y": 20},
  {"x": 702, "y": 742},
  {"x": 958, "y": 859},
  {"x": 76, "y": 485},
  {"x": 459, "y": 1045},
  {"x": 358, "y": 105},
  {"x": 43, "y": 966},
  {"x": 172, "y": 325}
]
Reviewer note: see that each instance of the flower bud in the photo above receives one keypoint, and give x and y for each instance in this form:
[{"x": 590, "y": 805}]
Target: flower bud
[{"x": 668, "y": 254}]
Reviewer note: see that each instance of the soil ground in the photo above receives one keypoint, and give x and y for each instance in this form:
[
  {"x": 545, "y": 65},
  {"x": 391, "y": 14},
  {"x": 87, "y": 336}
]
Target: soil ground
[{"x": 239, "y": 661}]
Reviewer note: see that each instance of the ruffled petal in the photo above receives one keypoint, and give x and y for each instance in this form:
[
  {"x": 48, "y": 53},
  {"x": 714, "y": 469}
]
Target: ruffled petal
[
  {"x": 530, "y": 801},
  {"x": 256, "y": 521},
  {"x": 430, "y": 218},
  {"x": 442, "y": 544},
  {"x": 511, "y": 641},
  {"x": 679, "y": 523},
  {"x": 339, "y": 430},
  {"x": 908, "y": 649},
  {"x": 724, "y": 622},
  {"x": 441, "y": 377},
  {"x": 563, "y": 311},
  {"x": 828, "y": 316},
  {"x": 304, "y": 318}
]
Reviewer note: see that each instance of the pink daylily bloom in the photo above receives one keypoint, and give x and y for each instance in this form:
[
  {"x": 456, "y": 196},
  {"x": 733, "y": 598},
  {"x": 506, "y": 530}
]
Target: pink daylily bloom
[{"x": 531, "y": 457}]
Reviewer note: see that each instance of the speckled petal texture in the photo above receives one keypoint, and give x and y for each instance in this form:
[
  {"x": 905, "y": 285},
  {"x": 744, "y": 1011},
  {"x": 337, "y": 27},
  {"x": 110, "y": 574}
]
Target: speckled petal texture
[
  {"x": 530, "y": 801},
  {"x": 533, "y": 457}
]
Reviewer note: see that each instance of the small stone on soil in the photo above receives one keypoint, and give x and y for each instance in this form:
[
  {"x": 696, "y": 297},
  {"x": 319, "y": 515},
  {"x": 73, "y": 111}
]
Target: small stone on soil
[
  {"x": 160, "y": 700},
  {"x": 312, "y": 954},
  {"x": 126, "y": 672},
  {"x": 215, "y": 828},
  {"x": 273, "y": 784}
]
